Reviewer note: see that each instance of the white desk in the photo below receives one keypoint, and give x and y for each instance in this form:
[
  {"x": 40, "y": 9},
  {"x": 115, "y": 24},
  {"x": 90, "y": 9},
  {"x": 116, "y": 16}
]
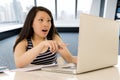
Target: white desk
[{"x": 112, "y": 73}]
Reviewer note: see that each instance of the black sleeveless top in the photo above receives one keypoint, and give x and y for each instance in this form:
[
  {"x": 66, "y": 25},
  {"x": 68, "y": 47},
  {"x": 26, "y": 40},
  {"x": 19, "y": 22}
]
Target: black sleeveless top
[{"x": 43, "y": 58}]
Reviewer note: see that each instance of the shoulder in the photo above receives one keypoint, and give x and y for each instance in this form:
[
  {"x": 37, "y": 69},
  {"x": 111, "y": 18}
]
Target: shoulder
[{"x": 22, "y": 44}]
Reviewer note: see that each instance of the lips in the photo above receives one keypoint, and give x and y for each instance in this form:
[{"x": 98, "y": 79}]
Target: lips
[{"x": 44, "y": 30}]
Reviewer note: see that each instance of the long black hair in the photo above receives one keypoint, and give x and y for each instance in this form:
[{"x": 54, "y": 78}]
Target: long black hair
[{"x": 27, "y": 30}]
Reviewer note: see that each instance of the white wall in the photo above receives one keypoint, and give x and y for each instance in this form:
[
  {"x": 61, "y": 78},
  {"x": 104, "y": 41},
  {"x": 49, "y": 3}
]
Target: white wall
[{"x": 110, "y": 8}]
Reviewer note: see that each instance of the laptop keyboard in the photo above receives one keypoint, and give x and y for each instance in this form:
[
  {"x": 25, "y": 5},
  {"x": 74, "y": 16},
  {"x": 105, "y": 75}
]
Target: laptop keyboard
[{"x": 61, "y": 69}]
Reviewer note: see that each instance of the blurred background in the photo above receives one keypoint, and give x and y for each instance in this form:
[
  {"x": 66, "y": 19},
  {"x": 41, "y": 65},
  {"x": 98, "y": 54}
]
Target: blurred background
[{"x": 66, "y": 14}]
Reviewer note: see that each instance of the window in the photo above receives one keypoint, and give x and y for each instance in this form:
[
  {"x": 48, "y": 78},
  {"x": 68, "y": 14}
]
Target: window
[
  {"x": 117, "y": 14},
  {"x": 21, "y": 9},
  {"x": 65, "y": 12},
  {"x": 14, "y": 11},
  {"x": 84, "y": 7},
  {"x": 66, "y": 9},
  {"x": 7, "y": 14},
  {"x": 50, "y": 4}
]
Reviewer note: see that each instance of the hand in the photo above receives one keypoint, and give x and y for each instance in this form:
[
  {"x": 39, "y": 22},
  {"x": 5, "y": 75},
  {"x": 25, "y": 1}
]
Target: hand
[
  {"x": 53, "y": 45},
  {"x": 61, "y": 45}
]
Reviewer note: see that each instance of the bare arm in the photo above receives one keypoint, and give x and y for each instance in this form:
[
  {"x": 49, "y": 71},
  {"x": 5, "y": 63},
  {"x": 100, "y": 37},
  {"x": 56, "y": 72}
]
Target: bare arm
[{"x": 23, "y": 57}]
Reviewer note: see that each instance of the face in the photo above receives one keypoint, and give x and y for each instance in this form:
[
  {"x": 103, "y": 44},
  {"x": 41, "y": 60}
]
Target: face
[{"x": 41, "y": 24}]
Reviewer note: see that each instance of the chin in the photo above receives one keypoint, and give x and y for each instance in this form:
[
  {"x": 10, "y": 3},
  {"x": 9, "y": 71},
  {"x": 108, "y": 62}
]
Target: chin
[{"x": 44, "y": 36}]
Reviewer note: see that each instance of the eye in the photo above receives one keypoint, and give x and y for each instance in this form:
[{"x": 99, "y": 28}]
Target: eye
[
  {"x": 40, "y": 19},
  {"x": 48, "y": 20}
]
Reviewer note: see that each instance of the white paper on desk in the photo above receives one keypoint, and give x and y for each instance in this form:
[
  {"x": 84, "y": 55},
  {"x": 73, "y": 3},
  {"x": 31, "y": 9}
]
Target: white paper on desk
[
  {"x": 35, "y": 67},
  {"x": 3, "y": 68}
]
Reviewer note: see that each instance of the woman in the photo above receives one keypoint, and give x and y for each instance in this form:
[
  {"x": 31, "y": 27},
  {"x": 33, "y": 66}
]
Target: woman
[{"x": 39, "y": 42}]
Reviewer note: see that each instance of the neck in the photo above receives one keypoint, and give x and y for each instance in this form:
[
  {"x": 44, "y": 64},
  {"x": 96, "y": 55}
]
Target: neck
[{"x": 38, "y": 39}]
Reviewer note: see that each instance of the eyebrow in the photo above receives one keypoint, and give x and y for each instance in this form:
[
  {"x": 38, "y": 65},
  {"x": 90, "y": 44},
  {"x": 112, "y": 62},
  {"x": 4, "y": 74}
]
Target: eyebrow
[{"x": 44, "y": 18}]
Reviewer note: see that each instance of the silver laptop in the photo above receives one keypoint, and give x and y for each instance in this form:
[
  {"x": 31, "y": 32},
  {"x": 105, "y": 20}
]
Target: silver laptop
[{"x": 97, "y": 45}]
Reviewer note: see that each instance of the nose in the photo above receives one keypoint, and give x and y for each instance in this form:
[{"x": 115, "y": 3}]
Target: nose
[{"x": 45, "y": 23}]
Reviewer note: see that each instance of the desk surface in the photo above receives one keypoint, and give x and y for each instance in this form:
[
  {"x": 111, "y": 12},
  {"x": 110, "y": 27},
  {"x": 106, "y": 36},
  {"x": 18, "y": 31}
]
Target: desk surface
[{"x": 112, "y": 73}]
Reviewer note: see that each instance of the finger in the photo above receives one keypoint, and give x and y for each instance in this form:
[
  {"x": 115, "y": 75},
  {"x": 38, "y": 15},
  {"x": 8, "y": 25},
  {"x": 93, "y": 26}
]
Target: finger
[
  {"x": 51, "y": 46},
  {"x": 62, "y": 45},
  {"x": 56, "y": 46}
]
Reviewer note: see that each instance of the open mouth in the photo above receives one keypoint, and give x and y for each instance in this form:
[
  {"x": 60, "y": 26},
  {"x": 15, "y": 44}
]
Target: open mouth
[{"x": 44, "y": 30}]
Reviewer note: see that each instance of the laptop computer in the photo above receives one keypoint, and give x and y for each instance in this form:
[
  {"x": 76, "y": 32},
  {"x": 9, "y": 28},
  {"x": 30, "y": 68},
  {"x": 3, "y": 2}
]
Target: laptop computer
[{"x": 97, "y": 45}]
